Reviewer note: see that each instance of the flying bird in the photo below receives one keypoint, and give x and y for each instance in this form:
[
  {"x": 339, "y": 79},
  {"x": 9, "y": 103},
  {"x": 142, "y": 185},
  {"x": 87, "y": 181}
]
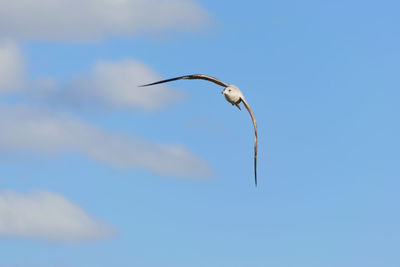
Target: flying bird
[{"x": 232, "y": 94}]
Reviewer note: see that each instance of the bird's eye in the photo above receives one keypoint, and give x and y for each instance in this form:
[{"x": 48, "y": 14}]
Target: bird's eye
[{"x": 229, "y": 90}]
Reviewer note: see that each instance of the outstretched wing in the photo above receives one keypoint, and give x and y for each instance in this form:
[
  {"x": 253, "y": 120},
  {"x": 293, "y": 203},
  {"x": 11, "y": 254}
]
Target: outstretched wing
[
  {"x": 191, "y": 77},
  {"x": 255, "y": 138}
]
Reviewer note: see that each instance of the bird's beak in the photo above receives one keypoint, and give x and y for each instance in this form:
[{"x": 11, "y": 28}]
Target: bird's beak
[{"x": 222, "y": 92}]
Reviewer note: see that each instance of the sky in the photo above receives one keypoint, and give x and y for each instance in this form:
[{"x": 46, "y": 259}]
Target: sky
[{"x": 96, "y": 171}]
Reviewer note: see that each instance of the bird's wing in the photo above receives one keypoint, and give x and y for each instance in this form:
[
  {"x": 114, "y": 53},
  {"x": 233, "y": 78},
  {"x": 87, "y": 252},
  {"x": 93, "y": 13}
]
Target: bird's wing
[
  {"x": 191, "y": 77},
  {"x": 255, "y": 139}
]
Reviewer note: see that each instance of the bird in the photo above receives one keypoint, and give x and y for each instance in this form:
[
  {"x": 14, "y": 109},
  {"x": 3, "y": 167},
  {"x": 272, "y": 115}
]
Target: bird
[{"x": 231, "y": 93}]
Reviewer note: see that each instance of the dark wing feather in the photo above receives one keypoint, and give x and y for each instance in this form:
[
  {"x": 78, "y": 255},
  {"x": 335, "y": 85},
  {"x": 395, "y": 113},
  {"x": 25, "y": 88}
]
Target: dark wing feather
[
  {"x": 255, "y": 138},
  {"x": 191, "y": 77}
]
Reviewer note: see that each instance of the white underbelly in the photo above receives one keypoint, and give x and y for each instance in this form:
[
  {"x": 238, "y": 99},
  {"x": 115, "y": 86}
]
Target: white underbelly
[{"x": 233, "y": 99}]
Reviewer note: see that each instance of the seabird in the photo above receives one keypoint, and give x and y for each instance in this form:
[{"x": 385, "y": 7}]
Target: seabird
[{"x": 232, "y": 94}]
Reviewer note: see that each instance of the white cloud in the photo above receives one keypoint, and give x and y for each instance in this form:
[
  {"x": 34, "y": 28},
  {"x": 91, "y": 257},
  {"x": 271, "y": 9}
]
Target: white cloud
[
  {"x": 48, "y": 216},
  {"x": 110, "y": 84},
  {"x": 24, "y": 129},
  {"x": 92, "y": 19},
  {"x": 12, "y": 67}
]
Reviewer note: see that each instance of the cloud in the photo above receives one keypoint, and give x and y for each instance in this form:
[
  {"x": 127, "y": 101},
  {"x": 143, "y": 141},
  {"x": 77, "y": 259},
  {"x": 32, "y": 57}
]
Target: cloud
[
  {"x": 12, "y": 67},
  {"x": 110, "y": 84},
  {"x": 92, "y": 19},
  {"x": 25, "y": 129},
  {"x": 48, "y": 216}
]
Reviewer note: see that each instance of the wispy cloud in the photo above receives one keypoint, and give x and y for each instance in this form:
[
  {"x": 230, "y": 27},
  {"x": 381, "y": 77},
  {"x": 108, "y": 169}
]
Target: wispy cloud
[
  {"x": 27, "y": 129},
  {"x": 91, "y": 19},
  {"x": 48, "y": 216},
  {"x": 109, "y": 85},
  {"x": 12, "y": 67}
]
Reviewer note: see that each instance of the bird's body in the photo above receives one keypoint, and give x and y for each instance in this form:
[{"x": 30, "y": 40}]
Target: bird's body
[{"x": 232, "y": 94}]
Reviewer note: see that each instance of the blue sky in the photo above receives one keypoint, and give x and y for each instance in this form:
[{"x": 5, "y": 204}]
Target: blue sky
[{"x": 97, "y": 172}]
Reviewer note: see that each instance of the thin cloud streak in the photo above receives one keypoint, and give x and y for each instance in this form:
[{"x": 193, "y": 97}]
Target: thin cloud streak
[
  {"x": 48, "y": 216},
  {"x": 83, "y": 20},
  {"x": 45, "y": 132}
]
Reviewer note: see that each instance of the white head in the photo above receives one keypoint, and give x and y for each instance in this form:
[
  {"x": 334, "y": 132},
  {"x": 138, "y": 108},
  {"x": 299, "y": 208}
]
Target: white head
[{"x": 232, "y": 94}]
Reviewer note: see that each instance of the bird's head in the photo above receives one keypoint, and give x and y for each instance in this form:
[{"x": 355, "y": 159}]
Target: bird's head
[{"x": 232, "y": 94}]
